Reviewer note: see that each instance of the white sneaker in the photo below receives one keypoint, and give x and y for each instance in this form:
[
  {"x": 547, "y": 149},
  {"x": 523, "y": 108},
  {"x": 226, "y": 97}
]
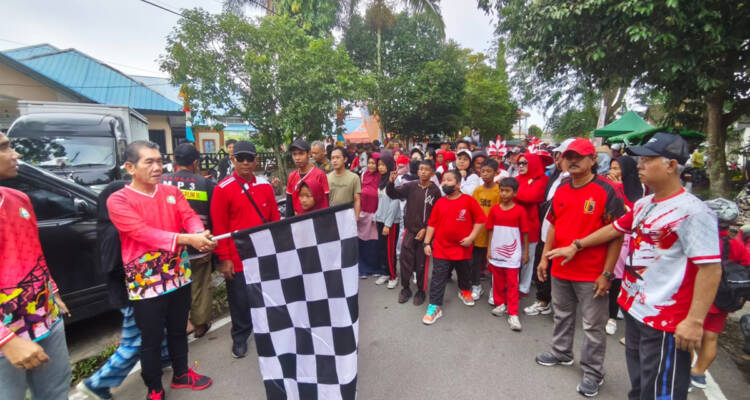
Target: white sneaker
[
  {"x": 414, "y": 278},
  {"x": 476, "y": 292},
  {"x": 611, "y": 327},
  {"x": 490, "y": 299},
  {"x": 537, "y": 308},
  {"x": 467, "y": 299},
  {"x": 392, "y": 283},
  {"x": 381, "y": 279},
  {"x": 500, "y": 310},
  {"x": 514, "y": 322}
]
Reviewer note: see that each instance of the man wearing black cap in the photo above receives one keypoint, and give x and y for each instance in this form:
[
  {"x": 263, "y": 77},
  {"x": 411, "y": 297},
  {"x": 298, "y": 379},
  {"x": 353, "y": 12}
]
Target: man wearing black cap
[
  {"x": 671, "y": 274},
  {"x": 240, "y": 201},
  {"x": 198, "y": 191},
  {"x": 305, "y": 171}
]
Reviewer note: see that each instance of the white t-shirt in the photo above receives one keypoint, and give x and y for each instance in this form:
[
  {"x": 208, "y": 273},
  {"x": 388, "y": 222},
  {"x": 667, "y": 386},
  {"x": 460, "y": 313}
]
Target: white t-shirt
[{"x": 670, "y": 239}]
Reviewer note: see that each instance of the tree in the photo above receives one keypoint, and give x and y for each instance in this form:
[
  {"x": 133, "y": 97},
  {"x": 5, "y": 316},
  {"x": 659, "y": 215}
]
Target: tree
[
  {"x": 696, "y": 50},
  {"x": 487, "y": 98},
  {"x": 420, "y": 87},
  {"x": 535, "y": 131},
  {"x": 269, "y": 72}
]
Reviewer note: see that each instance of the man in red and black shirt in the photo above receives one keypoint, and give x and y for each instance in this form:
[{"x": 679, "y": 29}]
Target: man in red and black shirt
[
  {"x": 305, "y": 171},
  {"x": 33, "y": 353},
  {"x": 231, "y": 210},
  {"x": 580, "y": 206}
]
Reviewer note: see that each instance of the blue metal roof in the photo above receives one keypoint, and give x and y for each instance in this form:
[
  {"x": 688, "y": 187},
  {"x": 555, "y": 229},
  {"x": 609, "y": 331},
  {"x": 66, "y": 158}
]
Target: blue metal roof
[
  {"x": 93, "y": 79},
  {"x": 160, "y": 85},
  {"x": 31, "y": 51}
]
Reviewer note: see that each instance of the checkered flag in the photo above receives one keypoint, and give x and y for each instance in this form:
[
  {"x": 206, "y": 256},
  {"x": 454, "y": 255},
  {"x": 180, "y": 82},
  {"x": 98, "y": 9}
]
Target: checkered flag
[{"x": 302, "y": 281}]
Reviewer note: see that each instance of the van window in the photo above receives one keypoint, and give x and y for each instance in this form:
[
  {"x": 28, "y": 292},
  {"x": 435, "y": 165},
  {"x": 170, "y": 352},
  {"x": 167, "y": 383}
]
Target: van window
[{"x": 48, "y": 204}]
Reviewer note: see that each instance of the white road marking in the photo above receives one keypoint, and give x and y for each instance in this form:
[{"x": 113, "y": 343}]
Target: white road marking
[{"x": 712, "y": 390}]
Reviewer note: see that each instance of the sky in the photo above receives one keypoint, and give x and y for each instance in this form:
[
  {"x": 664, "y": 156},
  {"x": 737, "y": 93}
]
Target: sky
[{"x": 130, "y": 35}]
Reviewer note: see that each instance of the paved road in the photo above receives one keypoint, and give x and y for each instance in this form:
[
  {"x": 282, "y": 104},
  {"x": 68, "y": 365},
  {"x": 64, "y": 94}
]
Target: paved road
[{"x": 468, "y": 354}]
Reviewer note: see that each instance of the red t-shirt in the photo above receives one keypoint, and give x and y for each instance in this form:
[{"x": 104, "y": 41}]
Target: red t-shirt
[
  {"x": 292, "y": 186},
  {"x": 454, "y": 220},
  {"x": 577, "y": 212}
]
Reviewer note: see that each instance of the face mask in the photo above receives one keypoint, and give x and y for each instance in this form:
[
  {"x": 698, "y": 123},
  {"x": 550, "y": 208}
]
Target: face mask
[{"x": 449, "y": 189}]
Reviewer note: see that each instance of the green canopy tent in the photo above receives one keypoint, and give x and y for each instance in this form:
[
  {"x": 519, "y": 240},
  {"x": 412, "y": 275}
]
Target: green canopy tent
[
  {"x": 635, "y": 138},
  {"x": 629, "y": 122}
]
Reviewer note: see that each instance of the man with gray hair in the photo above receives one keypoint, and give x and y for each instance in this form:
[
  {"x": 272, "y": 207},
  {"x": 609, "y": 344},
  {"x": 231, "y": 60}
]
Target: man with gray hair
[{"x": 318, "y": 153}]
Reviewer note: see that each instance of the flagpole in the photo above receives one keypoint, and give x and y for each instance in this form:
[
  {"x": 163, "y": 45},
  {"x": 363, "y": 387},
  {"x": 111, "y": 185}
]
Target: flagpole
[{"x": 220, "y": 237}]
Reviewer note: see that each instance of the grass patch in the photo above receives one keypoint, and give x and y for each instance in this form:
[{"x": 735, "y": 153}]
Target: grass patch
[{"x": 85, "y": 368}]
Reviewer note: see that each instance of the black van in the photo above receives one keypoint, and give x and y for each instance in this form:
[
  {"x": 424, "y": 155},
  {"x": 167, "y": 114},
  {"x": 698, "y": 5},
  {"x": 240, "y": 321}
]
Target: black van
[{"x": 66, "y": 213}]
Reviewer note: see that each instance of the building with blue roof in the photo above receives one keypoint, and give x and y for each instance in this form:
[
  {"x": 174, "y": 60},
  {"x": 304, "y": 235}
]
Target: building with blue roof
[{"x": 45, "y": 73}]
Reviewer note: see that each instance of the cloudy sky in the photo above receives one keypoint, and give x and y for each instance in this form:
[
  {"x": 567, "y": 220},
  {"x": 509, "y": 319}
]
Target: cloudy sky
[{"x": 130, "y": 34}]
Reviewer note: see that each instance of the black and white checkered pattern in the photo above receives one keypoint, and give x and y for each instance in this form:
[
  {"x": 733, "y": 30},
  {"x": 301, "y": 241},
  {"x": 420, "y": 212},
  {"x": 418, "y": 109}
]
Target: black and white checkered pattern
[{"x": 302, "y": 281}]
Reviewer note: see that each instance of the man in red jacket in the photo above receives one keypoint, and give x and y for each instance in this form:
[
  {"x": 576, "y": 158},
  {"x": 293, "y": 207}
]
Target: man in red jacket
[{"x": 240, "y": 201}]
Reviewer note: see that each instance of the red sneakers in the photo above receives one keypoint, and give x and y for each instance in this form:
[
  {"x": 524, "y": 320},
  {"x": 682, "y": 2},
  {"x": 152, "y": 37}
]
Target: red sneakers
[
  {"x": 191, "y": 380},
  {"x": 154, "y": 395}
]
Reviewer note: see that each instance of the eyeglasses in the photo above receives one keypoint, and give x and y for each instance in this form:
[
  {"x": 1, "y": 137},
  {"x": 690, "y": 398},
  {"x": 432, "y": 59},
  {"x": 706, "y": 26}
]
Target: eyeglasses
[
  {"x": 523, "y": 163},
  {"x": 242, "y": 157}
]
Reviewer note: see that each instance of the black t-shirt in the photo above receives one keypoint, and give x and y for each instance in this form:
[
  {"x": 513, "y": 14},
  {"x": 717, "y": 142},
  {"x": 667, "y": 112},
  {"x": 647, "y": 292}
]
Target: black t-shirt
[{"x": 197, "y": 190}]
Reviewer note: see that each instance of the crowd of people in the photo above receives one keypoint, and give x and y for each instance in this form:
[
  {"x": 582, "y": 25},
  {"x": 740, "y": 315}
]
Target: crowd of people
[{"x": 621, "y": 239}]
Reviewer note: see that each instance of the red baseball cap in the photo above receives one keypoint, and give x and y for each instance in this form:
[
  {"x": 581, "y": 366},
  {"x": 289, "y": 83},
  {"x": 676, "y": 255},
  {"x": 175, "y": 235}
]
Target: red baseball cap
[
  {"x": 402, "y": 160},
  {"x": 581, "y": 146}
]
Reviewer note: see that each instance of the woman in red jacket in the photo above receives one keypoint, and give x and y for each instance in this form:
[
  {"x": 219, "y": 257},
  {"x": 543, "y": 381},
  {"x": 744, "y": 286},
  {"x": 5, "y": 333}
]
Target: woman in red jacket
[{"x": 531, "y": 184}]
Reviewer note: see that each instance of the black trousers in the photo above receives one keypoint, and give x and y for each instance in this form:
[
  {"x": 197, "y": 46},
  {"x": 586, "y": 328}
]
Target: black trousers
[
  {"x": 441, "y": 274},
  {"x": 478, "y": 263},
  {"x": 413, "y": 260},
  {"x": 152, "y": 316},
  {"x": 657, "y": 369},
  {"x": 239, "y": 308},
  {"x": 543, "y": 289},
  {"x": 614, "y": 293},
  {"x": 387, "y": 249}
]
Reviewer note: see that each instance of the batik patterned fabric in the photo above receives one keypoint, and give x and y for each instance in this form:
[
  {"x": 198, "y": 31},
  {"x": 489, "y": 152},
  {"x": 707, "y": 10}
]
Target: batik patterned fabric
[
  {"x": 303, "y": 284},
  {"x": 156, "y": 273},
  {"x": 27, "y": 305},
  {"x": 149, "y": 225},
  {"x": 670, "y": 239}
]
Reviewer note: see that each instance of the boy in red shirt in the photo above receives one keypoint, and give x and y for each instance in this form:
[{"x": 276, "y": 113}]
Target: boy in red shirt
[
  {"x": 455, "y": 222},
  {"x": 509, "y": 249},
  {"x": 305, "y": 172}
]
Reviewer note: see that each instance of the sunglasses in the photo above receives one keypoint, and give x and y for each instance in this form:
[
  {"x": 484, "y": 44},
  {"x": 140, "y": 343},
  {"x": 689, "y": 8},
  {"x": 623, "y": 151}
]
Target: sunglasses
[
  {"x": 523, "y": 163},
  {"x": 244, "y": 157}
]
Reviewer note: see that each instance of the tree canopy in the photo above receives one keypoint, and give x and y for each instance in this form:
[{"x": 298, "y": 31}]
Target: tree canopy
[
  {"x": 269, "y": 72},
  {"x": 694, "y": 50}
]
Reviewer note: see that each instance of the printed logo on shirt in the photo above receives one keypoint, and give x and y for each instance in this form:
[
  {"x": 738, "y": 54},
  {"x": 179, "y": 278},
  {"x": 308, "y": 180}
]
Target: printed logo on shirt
[
  {"x": 24, "y": 213},
  {"x": 171, "y": 200},
  {"x": 429, "y": 199},
  {"x": 589, "y": 206},
  {"x": 461, "y": 215},
  {"x": 506, "y": 251}
]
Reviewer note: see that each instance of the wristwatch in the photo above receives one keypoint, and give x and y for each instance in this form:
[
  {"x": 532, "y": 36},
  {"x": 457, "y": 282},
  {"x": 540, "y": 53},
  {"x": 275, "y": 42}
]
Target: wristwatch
[
  {"x": 425, "y": 244},
  {"x": 577, "y": 244},
  {"x": 610, "y": 276}
]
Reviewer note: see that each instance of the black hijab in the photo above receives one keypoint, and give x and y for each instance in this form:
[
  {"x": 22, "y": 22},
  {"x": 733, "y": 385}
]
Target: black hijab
[
  {"x": 387, "y": 158},
  {"x": 631, "y": 184}
]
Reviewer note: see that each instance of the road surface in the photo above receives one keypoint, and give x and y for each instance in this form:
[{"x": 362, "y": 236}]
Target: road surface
[{"x": 467, "y": 354}]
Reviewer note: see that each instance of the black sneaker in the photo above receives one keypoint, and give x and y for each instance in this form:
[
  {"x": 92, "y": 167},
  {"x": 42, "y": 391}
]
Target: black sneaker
[
  {"x": 404, "y": 296},
  {"x": 588, "y": 387},
  {"x": 548, "y": 359},
  {"x": 239, "y": 349},
  {"x": 419, "y": 298},
  {"x": 191, "y": 380}
]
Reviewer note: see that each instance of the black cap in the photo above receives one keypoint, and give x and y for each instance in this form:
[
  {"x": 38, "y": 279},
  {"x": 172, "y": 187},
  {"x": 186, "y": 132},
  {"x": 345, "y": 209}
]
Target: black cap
[
  {"x": 299, "y": 144},
  {"x": 669, "y": 145},
  {"x": 243, "y": 146},
  {"x": 186, "y": 154}
]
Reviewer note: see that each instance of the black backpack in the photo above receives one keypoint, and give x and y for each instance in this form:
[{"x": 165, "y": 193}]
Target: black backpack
[{"x": 734, "y": 287}]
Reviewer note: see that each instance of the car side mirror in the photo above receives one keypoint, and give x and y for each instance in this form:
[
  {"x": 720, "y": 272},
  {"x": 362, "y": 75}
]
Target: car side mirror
[{"x": 83, "y": 207}]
